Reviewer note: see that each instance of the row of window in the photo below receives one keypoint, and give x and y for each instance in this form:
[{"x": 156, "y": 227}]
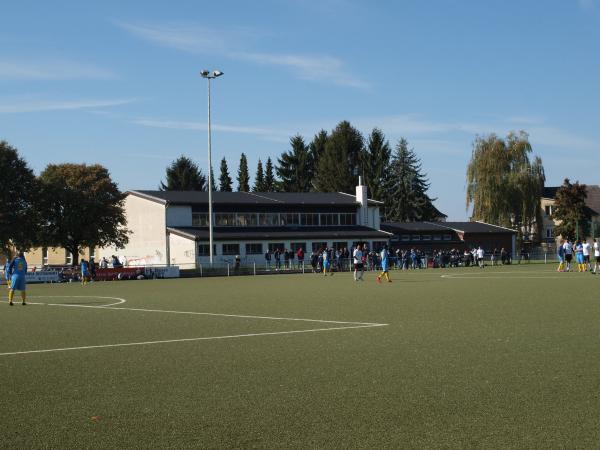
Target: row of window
[
  {"x": 426, "y": 237},
  {"x": 274, "y": 219},
  {"x": 68, "y": 256},
  {"x": 260, "y": 249}
]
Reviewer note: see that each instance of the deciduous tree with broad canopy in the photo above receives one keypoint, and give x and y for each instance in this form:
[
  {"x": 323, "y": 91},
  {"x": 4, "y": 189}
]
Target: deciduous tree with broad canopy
[
  {"x": 571, "y": 212},
  {"x": 504, "y": 186},
  {"x": 20, "y": 202},
  {"x": 83, "y": 208}
]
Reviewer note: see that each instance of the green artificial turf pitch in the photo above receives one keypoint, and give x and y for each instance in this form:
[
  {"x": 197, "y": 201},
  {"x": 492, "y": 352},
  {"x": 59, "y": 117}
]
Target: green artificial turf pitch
[{"x": 501, "y": 357}]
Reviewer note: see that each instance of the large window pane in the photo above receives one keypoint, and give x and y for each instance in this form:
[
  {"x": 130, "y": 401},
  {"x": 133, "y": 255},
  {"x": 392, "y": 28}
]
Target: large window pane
[
  {"x": 200, "y": 219},
  {"x": 231, "y": 249},
  {"x": 275, "y": 246},
  {"x": 254, "y": 249},
  {"x": 309, "y": 219},
  {"x": 268, "y": 219},
  {"x": 246, "y": 219},
  {"x": 225, "y": 219}
]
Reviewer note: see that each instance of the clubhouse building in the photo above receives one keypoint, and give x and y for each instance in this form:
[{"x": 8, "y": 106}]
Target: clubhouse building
[
  {"x": 430, "y": 236},
  {"x": 171, "y": 227}
]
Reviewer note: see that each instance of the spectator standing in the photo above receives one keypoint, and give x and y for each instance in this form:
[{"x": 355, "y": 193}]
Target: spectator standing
[{"x": 300, "y": 255}]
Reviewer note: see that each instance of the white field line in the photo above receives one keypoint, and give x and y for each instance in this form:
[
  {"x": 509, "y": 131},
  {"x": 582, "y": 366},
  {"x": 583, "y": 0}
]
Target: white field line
[
  {"x": 510, "y": 277},
  {"x": 209, "y": 338},
  {"x": 119, "y": 301},
  {"x": 238, "y": 316}
]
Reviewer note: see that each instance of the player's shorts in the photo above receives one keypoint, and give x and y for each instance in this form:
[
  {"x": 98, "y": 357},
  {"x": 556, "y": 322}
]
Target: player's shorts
[
  {"x": 17, "y": 283},
  {"x": 85, "y": 274},
  {"x": 579, "y": 258},
  {"x": 384, "y": 267},
  {"x": 561, "y": 259},
  {"x": 586, "y": 258},
  {"x": 569, "y": 258},
  {"x": 325, "y": 264},
  {"x": 598, "y": 258},
  {"x": 358, "y": 266}
]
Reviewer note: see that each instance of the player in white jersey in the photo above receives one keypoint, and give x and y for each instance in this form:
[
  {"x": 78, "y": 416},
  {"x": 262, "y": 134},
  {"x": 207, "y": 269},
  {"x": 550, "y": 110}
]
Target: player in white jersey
[
  {"x": 480, "y": 256},
  {"x": 596, "y": 256},
  {"x": 568, "y": 254},
  {"x": 358, "y": 263},
  {"x": 586, "y": 255}
]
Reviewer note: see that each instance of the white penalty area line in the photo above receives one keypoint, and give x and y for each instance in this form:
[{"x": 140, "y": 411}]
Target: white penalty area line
[
  {"x": 195, "y": 313},
  {"x": 473, "y": 276},
  {"x": 209, "y": 338}
]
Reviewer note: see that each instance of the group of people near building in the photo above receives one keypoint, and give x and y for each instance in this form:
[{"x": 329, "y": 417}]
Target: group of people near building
[
  {"x": 581, "y": 251},
  {"x": 470, "y": 257}
]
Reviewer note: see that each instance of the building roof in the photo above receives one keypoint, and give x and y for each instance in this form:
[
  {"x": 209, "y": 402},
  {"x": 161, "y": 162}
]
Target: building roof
[
  {"x": 593, "y": 199},
  {"x": 278, "y": 233},
  {"x": 459, "y": 227},
  {"x": 550, "y": 191},
  {"x": 250, "y": 198}
]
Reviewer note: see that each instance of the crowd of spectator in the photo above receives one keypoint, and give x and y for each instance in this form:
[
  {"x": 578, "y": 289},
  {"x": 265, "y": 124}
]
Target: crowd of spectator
[{"x": 400, "y": 259}]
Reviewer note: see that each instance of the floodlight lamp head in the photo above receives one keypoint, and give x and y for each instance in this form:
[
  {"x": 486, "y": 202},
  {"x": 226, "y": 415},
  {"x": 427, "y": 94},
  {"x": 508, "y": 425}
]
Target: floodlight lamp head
[
  {"x": 217, "y": 73},
  {"x": 205, "y": 73}
]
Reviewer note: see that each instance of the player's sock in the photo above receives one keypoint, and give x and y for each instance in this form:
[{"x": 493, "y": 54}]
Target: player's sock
[
  {"x": 23, "y": 297},
  {"x": 11, "y": 295},
  {"x": 387, "y": 277}
]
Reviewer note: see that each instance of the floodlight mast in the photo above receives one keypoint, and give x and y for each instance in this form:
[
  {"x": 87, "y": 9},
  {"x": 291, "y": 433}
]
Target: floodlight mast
[{"x": 209, "y": 76}]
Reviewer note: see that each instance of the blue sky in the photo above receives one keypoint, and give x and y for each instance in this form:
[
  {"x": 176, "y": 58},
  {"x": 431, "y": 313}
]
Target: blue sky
[{"x": 117, "y": 82}]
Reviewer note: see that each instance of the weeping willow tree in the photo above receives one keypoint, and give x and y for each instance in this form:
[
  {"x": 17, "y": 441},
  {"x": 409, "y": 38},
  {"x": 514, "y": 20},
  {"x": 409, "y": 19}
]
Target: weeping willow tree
[{"x": 504, "y": 185}]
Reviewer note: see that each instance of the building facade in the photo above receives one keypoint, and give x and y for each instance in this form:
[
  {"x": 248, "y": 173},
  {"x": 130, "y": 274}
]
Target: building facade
[{"x": 171, "y": 227}]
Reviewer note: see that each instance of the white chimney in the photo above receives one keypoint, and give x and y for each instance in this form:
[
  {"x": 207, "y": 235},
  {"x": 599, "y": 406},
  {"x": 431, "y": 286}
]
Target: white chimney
[{"x": 361, "y": 198}]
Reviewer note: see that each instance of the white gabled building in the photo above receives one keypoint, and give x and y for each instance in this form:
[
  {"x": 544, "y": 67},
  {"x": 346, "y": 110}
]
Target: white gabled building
[{"x": 171, "y": 227}]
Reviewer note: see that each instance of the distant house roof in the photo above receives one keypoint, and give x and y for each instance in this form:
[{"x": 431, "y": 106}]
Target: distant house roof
[
  {"x": 592, "y": 201},
  {"x": 460, "y": 227},
  {"x": 276, "y": 233},
  {"x": 251, "y": 198},
  {"x": 550, "y": 191}
]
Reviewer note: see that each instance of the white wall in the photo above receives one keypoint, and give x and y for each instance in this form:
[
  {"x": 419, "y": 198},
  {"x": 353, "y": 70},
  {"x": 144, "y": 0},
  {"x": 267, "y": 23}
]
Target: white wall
[
  {"x": 182, "y": 251},
  {"x": 147, "y": 241},
  {"x": 179, "y": 216},
  {"x": 374, "y": 218}
]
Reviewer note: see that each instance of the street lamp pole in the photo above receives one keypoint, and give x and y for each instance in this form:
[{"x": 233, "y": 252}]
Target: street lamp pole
[{"x": 209, "y": 76}]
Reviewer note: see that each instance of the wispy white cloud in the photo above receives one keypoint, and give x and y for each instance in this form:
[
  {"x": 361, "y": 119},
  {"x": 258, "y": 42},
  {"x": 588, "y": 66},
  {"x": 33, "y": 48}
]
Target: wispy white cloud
[
  {"x": 540, "y": 133},
  {"x": 202, "y": 40},
  {"x": 587, "y": 5},
  {"x": 51, "y": 70},
  {"x": 33, "y": 105},
  {"x": 202, "y": 126}
]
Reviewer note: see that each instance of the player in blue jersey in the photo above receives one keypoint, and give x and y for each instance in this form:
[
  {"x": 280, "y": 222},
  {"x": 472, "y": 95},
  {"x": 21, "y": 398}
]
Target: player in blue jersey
[
  {"x": 579, "y": 257},
  {"x": 326, "y": 262},
  {"x": 6, "y": 272},
  {"x": 85, "y": 272},
  {"x": 385, "y": 265},
  {"x": 560, "y": 252},
  {"x": 17, "y": 270}
]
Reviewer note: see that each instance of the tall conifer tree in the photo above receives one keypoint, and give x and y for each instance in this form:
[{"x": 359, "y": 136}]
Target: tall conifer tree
[
  {"x": 407, "y": 199},
  {"x": 270, "y": 181},
  {"x": 225, "y": 182},
  {"x": 376, "y": 164},
  {"x": 259, "y": 178},
  {"x": 294, "y": 167},
  {"x": 243, "y": 177},
  {"x": 184, "y": 175},
  {"x": 339, "y": 166}
]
